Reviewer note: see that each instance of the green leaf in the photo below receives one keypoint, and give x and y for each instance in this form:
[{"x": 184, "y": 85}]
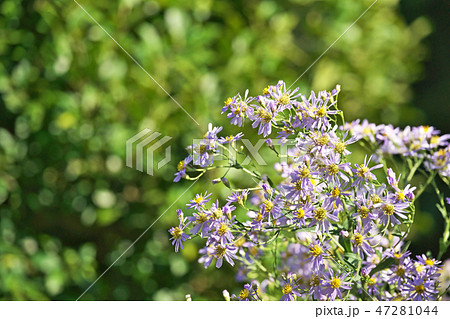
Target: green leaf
[{"x": 383, "y": 265}]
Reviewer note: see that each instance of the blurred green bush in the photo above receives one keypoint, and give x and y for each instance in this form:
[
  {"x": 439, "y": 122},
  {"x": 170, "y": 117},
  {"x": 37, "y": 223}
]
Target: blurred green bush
[{"x": 70, "y": 98}]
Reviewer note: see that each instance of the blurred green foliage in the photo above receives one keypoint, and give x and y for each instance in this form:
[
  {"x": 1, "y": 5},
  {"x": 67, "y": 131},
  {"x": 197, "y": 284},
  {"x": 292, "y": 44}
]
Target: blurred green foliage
[{"x": 70, "y": 98}]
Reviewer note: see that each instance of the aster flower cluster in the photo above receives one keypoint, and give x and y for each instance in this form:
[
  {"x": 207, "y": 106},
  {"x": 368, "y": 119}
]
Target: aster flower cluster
[
  {"x": 421, "y": 143},
  {"x": 416, "y": 151},
  {"x": 330, "y": 229}
]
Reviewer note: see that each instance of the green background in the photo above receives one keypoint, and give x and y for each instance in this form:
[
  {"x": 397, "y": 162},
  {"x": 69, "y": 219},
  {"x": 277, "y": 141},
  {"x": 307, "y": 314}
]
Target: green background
[{"x": 70, "y": 98}]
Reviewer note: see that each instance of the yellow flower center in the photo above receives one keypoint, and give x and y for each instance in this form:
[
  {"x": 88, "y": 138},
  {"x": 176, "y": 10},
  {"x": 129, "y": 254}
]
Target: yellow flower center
[
  {"x": 335, "y": 283},
  {"x": 287, "y": 289},
  {"x": 180, "y": 165},
  {"x": 434, "y": 139},
  {"x": 320, "y": 214},
  {"x": 298, "y": 185},
  {"x": 358, "y": 238},
  {"x": 388, "y": 209},
  {"x": 339, "y": 147},
  {"x": 220, "y": 251},
  {"x": 304, "y": 172},
  {"x": 362, "y": 170},
  {"x": 363, "y": 212},
  {"x": 217, "y": 213},
  {"x": 420, "y": 289},
  {"x": 198, "y": 199},
  {"x": 259, "y": 217},
  {"x": 228, "y": 101},
  {"x": 266, "y": 117},
  {"x": 335, "y": 192},
  {"x": 375, "y": 199},
  {"x": 177, "y": 232},
  {"x": 244, "y": 294},
  {"x": 400, "y": 196},
  {"x": 323, "y": 140},
  {"x": 222, "y": 229},
  {"x": 333, "y": 169},
  {"x": 429, "y": 262},
  {"x": 202, "y": 148},
  {"x": 372, "y": 281},
  {"x": 268, "y": 205},
  {"x": 400, "y": 271},
  {"x": 240, "y": 242},
  {"x": 315, "y": 281},
  {"x": 321, "y": 112},
  {"x": 315, "y": 250},
  {"x": 284, "y": 99},
  {"x": 300, "y": 213},
  {"x": 201, "y": 218},
  {"x": 266, "y": 90},
  {"x": 419, "y": 267}
]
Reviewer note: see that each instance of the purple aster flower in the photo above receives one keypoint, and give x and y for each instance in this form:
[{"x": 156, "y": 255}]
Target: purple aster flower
[
  {"x": 248, "y": 293},
  {"x": 207, "y": 255},
  {"x": 201, "y": 222},
  {"x": 300, "y": 186},
  {"x": 429, "y": 263},
  {"x": 333, "y": 170},
  {"x": 284, "y": 98},
  {"x": 420, "y": 289},
  {"x": 390, "y": 211},
  {"x": 373, "y": 285},
  {"x": 240, "y": 109},
  {"x": 333, "y": 201},
  {"x": 397, "y": 254},
  {"x": 398, "y": 273},
  {"x": 316, "y": 283},
  {"x": 372, "y": 261},
  {"x": 258, "y": 218},
  {"x": 202, "y": 153},
  {"x": 322, "y": 219},
  {"x": 181, "y": 167},
  {"x": 334, "y": 284},
  {"x": 272, "y": 206},
  {"x": 238, "y": 196},
  {"x": 301, "y": 213},
  {"x": 340, "y": 145},
  {"x": 317, "y": 251},
  {"x": 405, "y": 194},
  {"x": 231, "y": 138},
  {"x": 178, "y": 236},
  {"x": 264, "y": 117},
  {"x": 360, "y": 242},
  {"x": 199, "y": 201},
  {"x": 391, "y": 178},
  {"x": 290, "y": 288},
  {"x": 228, "y": 102},
  {"x": 364, "y": 213},
  {"x": 222, "y": 233},
  {"x": 228, "y": 252},
  {"x": 363, "y": 172},
  {"x": 365, "y": 129}
]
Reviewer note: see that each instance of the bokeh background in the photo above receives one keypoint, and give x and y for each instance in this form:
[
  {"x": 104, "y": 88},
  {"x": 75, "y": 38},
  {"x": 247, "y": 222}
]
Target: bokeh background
[{"x": 70, "y": 98}]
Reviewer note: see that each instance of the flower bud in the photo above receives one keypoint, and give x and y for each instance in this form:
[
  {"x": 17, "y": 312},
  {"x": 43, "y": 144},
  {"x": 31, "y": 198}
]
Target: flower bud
[
  {"x": 226, "y": 295},
  {"x": 225, "y": 182}
]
